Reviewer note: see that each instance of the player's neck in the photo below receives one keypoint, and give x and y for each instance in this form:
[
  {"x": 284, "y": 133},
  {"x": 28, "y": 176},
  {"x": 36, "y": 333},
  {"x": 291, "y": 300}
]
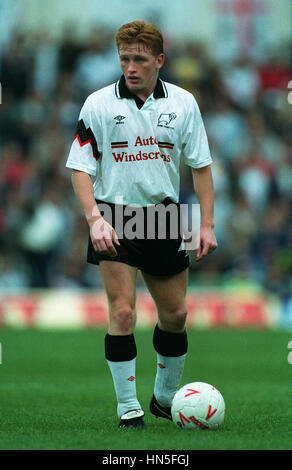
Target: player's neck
[{"x": 144, "y": 93}]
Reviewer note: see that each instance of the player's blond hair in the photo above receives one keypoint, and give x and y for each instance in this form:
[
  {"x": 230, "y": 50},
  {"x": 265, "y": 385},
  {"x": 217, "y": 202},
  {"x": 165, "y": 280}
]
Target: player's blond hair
[{"x": 142, "y": 32}]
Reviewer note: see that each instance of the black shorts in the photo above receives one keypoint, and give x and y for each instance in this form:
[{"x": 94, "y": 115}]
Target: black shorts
[{"x": 159, "y": 254}]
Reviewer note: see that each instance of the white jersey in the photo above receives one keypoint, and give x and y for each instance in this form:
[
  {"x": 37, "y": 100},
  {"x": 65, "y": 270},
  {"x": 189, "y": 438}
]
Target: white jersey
[{"x": 134, "y": 150}]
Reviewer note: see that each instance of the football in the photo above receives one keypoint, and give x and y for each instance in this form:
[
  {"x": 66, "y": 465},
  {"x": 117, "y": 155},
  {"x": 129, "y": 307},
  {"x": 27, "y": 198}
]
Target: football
[{"x": 198, "y": 405}]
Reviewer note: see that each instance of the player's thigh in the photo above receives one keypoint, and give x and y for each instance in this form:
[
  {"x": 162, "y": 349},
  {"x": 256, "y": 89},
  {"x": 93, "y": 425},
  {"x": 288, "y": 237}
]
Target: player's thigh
[
  {"x": 169, "y": 293},
  {"x": 120, "y": 283}
]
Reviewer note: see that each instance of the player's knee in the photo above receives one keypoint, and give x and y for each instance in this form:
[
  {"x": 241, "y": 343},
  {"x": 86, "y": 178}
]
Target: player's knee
[
  {"x": 180, "y": 318},
  {"x": 175, "y": 321},
  {"x": 123, "y": 317}
]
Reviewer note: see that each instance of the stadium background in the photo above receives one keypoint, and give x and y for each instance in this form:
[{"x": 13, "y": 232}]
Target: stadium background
[{"x": 235, "y": 56}]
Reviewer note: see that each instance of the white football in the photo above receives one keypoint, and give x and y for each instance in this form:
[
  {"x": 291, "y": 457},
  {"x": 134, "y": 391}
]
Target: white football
[{"x": 198, "y": 405}]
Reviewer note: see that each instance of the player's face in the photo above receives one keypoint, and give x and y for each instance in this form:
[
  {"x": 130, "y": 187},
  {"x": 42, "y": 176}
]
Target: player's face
[{"x": 140, "y": 67}]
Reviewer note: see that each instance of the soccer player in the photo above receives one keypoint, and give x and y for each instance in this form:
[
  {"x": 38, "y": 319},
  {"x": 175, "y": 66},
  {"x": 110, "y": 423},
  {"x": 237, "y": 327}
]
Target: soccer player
[{"x": 131, "y": 137}]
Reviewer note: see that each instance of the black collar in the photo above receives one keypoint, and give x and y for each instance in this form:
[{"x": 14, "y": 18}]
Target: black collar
[{"x": 123, "y": 92}]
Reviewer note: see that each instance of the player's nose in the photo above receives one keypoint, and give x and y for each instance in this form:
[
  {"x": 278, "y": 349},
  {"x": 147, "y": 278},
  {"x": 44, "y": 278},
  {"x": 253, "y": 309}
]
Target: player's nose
[{"x": 131, "y": 67}]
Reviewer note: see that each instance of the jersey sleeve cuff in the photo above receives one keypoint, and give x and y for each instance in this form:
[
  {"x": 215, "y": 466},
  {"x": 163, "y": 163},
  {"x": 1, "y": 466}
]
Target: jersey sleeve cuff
[
  {"x": 200, "y": 164},
  {"x": 75, "y": 166}
]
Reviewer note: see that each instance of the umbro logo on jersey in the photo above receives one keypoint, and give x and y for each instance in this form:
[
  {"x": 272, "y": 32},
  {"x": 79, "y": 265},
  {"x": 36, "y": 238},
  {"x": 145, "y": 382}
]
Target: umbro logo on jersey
[
  {"x": 120, "y": 119},
  {"x": 165, "y": 119}
]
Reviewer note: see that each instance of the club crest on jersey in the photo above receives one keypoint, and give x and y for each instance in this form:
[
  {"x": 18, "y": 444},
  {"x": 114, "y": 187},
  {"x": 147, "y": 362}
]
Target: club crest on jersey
[
  {"x": 119, "y": 119},
  {"x": 165, "y": 119}
]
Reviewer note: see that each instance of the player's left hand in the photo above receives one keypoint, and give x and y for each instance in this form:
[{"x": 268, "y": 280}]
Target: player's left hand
[{"x": 206, "y": 243}]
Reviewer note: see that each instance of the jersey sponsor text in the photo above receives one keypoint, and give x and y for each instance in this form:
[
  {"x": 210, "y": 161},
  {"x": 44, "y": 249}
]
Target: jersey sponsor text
[{"x": 124, "y": 157}]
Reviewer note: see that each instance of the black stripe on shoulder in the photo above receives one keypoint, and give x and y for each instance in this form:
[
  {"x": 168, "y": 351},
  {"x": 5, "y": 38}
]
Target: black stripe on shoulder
[{"x": 86, "y": 135}]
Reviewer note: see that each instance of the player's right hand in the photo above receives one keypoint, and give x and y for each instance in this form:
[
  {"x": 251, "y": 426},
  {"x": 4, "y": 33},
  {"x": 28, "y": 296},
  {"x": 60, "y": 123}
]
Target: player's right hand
[{"x": 103, "y": 236}]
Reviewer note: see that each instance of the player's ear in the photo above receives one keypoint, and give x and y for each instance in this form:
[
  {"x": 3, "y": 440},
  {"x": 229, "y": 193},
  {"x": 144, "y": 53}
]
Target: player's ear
[{"x": 160, "y": 60}]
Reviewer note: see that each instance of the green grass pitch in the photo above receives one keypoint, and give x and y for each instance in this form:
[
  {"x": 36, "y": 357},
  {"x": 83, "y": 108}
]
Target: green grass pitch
[{"x": 56, "y": 391}]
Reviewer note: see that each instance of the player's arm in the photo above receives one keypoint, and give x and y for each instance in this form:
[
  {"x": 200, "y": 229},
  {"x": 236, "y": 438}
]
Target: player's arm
[
  {"x": 101, "y": 232},
  {"x": 203, "y": 186}
]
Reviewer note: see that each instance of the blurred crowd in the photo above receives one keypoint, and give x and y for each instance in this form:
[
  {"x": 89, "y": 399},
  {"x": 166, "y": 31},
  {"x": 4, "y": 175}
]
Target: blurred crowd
[{"x": 248, "y": 118}]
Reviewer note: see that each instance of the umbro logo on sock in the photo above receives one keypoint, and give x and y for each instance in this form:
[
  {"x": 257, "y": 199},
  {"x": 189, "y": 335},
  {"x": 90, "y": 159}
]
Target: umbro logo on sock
[
  {"x": 161, "y": 365},
  {"x": 131, "y": 378}
]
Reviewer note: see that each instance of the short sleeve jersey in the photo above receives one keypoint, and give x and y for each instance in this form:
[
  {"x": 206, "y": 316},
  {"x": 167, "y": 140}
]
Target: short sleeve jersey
[{"x": 134, "y": 149}]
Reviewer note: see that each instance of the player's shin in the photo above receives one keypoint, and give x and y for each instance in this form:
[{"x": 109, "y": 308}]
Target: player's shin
[
  {"x": 120, "y": 353},
  {"x": 171, "y": 351}
]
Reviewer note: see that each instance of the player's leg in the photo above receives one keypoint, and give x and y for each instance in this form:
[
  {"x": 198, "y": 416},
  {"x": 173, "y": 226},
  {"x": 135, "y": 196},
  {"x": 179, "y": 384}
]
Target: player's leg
[
  {"x": 170, "y": 337},
  {"x": 120, "y": 347},
  {"x": 119, "y": 280},
  {"x": 169, "y": 295}
]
